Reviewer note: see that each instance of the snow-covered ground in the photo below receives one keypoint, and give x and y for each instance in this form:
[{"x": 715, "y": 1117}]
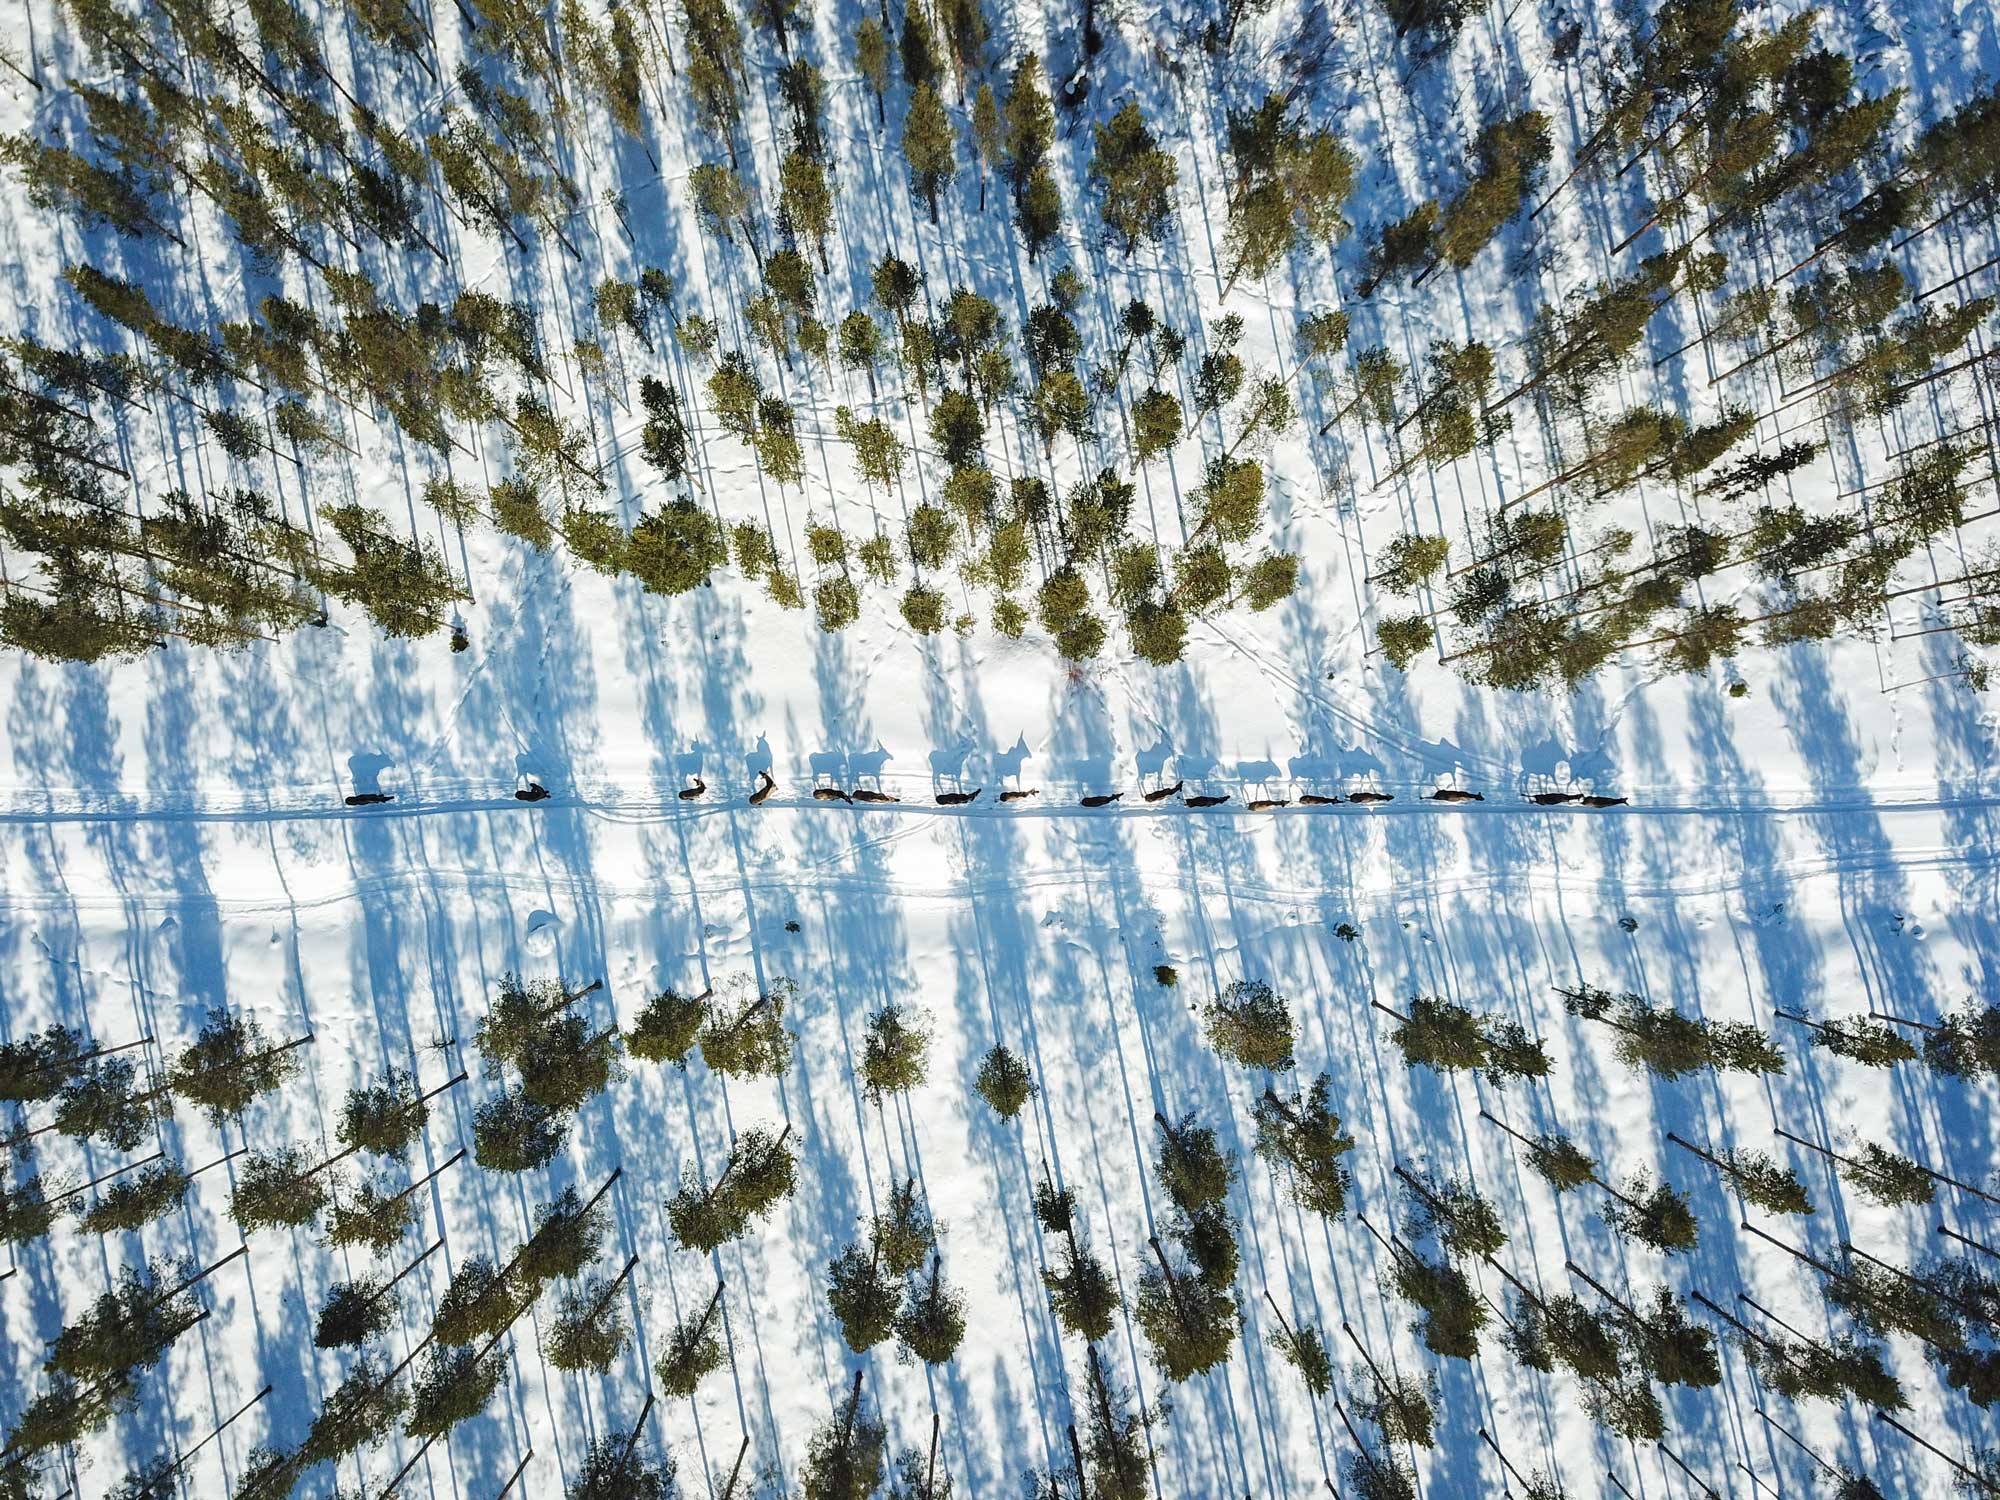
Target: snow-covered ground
[
  {"x": 172, "y": 837},
  {"x": 387, "y": 932}
]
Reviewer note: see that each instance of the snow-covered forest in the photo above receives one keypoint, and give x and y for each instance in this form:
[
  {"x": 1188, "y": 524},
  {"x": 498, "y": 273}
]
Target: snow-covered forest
[{"x": 934, "y": 747}]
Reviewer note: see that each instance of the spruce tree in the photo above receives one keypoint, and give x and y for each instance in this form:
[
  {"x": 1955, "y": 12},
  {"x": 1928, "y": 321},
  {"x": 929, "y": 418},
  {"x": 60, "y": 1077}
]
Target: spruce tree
[
  {"x": 871, "y": 60},
  {"x": 675, "y": 548},
  {"x": 1038, "y": 210},
  {"x": 1030, "y": 119},
  {"x": 354, "y": 1312},
  {"x": 1191, "y": 1167},
  {"x": 863, "y": 1296}
]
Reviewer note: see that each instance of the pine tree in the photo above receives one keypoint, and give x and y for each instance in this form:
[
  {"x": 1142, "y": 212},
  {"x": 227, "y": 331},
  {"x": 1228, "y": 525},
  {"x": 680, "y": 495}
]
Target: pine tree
[
  {"x": 1137, "y": 179},
  {"x": 668, "y": 1027},
  {"x": 128, "y": 1328},
  {"x": 37, "y": 1066},
  {"x": 1251, "y": 1024},
  {"x": 589, "y": 1330},
  {"x": 1653, "y": 1214},
  {"x": 1288, "y": 186},
  {"x": 1767, "y": 1183},
  {"x": 760, "y": 1171},
  {"x": 1659, "y": 1039},
  {"x": 1402, "y": 1406},
  {"x": 372, "y": 1216},
  {"x": 1509, "y": 156},
  {"x": 1465, "y": 1223},
  {"x": 514, "y": 1133},
  {"x": 1082, "y": 1295},
  {"x": 1305, "y": 1351},
  {"x": 932, "y": 1323},
  {"x": 230, "y": 1064},
  {"x": 1117, "y": 1447},
  {"x": 453, "y": 1386},
  {"x": 1452, "y": 1313},
  {"x": 480, "y": 1302},
  {"x": 1005, "y": 1083},
  {"x": 1447, "y": 1036},
  {"x": 277, "y": 1189},
  {"x": 612, "y": 1469},
  {"x": 101, "y": 1101},
  {"x": 1965, "y": 1044},
  {"x": 693, "y": 1350},
  {"x": 929, "y": 146},
  {"x": 1188, "y": 1320},
  {"x": 59, "y": 180},
  {"x": 805, "y": 202},
  {"x": 1861, "y": 1039},
  {"x": 1888, "y": 1177},
  {"x": 748, "y": 1039},
  {"x": 387, "y": 1118},
  {"x": 894, "y": 1055},
  {"x": 26, "y": 1212},
  {"x": 904, "y": 1234},
  {"x": 1559, "y": 1329},
  {"x": 845, "y": 1456},
  {"x": 360, "y": 1412},
  {"x": 871, "y": 60},
  {"x": 1665, "y": 1344},
  {"x": 1305, "y": 1135}
]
